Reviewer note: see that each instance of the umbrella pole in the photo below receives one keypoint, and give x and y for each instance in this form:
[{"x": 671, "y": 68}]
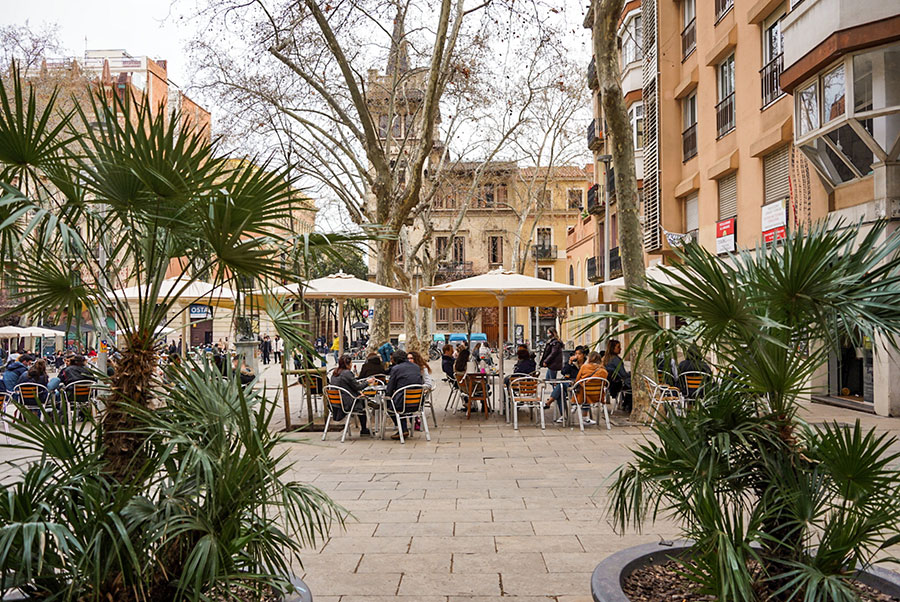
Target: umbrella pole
[
  {"x": 340, "y": 327},
  {"x": 502, "y": 339}
]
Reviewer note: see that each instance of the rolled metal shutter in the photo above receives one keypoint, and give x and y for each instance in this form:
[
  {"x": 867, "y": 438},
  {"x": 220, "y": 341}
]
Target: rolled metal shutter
[
  {"x": 776, "y": 175},
  {"x": 692, "y": 212},
  {"x": 728, "y": 197}
]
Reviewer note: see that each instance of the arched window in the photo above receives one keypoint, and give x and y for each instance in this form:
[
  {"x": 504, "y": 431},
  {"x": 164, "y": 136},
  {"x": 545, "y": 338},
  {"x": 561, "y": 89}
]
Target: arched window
[{"x": 572, "y": 275}]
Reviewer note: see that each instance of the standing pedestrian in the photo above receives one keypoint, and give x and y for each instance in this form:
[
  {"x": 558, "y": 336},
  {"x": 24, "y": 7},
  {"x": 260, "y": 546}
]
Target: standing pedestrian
[
  {"x": 265, "y": 348},
  {"x": 278, "y": 348},
  {"x": 552, "y": 358}
]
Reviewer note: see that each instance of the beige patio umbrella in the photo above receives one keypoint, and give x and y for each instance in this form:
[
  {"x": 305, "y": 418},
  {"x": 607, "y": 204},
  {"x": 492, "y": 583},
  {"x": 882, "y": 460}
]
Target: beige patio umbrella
[
  {"x": 195, "y": 291},
  {"x": 501, "y": 289},
  {"x": 607, "y": 292},
  {"x": 340, "y": 287}
]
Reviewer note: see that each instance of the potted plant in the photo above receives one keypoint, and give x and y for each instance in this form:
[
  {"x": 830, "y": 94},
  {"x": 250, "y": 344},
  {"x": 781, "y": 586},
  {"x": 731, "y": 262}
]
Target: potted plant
[
  {"x": 178, "y": 491},
  {"x": 774, "y": 508}
]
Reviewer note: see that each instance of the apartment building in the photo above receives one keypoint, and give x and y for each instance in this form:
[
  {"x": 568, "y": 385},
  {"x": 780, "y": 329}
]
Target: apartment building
[
  {"x": 751, "y": 127},
  {"x": 842, "y": 72}
]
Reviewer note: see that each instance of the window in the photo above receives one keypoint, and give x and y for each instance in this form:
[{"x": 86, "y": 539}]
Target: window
[
  {"x": 542, "y": 197},
  {"x": 776, "y": 172},
  {"x": 689, "y": 33},
  {"x": 545, "y": 273},
  {"x": 459, "y": 315},
  {"x": 722, "y": 8},
  {"x": 692, "y": 212},
  {"x": 382, "y": 126},
  {"x": 495, "y": 250},
  {"x": 725, "y": 107},
  {"x": 571, "y": 275},
  {"x": 442, "y": 314},
  {"x": 808, "y": 108},
  {"x": 833, "y": 94},
  {"x": 773, "y": 46},
  {"x": 440, "y": 245},
  {"x": 501, "y": 195},
  {"x": 689, "y": 122},
  {"x": 576, "y": 196},
  {"x": 632, "y": 41},
  {"x": 544, "y": 237},
  {"x": 636, "y": 116},
  {"x": 728, "y": 197},
  {"x": 459, "y": 249}
]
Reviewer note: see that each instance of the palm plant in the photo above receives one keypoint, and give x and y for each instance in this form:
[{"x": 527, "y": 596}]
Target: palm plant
[
  {"x": 147, "y": 504},
  {"x": 778, "y": 509}
]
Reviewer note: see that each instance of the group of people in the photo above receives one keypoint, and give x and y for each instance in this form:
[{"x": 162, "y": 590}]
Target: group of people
[
  {"x": 269, "y": 347},
  {"x": 26, "y": 369},
  {"x": 405, "y": 369}
]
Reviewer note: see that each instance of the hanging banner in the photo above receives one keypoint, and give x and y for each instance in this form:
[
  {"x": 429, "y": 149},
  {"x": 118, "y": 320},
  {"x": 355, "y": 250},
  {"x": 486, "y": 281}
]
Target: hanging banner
[
  {"x": 774, "y": 235},
  {"x": 725, "y": 235}
]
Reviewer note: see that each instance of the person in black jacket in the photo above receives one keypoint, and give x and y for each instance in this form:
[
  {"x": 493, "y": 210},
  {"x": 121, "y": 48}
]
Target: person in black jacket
[
  {"x": 265, "y": 349},
  {"x": 36, "y": 374},
  {"x": 693, "y": 362},
  {"x": 525, "y": 365},
  {"x": 372, "y": 366},
  {"x": 460, "y": 367},
  {"x": 343, "y": 377},
  {"x": 447, "y": 361},
  {"x": 619, "y": 378},
  {"x": 403, "y": 373},
  {"x": 552, "y": 358}
]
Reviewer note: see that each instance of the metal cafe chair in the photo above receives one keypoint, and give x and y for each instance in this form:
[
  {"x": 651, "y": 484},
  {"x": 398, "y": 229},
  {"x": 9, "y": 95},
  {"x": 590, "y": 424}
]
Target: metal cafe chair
[
  {"x": 526, "y": 392},
  {"x": 592, "y": 391},
  {"x": 77, "y": 396},
  {"x": 408, "y": 402},
  {"x": 336, "y": 399},
  {"x": 663, "y": 395},
  {"x": 35, "y": 398}
]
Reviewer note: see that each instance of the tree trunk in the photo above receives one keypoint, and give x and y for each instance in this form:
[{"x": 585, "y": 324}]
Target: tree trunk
[
  {"x": 384, "y": 275},
  {"x": 606, "y": 56}
]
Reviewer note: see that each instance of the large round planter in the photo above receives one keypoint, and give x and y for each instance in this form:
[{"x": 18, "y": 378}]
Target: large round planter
[
  {"x": 303, "y": 594},
  {"x": 610, "y": 575}
]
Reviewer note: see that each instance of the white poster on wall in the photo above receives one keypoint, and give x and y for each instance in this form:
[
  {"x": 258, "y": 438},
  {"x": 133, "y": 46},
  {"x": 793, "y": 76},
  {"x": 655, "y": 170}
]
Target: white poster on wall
[{"x": 773, "y": 216}]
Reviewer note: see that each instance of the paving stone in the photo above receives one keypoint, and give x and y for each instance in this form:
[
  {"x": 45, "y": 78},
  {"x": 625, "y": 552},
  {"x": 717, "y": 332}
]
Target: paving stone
[{"x": 450, "y": 584}]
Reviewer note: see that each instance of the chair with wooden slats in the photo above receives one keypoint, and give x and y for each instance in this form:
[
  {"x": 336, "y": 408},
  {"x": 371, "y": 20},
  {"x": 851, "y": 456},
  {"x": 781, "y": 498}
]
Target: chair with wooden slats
[
  {"x": 409, "y": 402},
  {"x": 341, "y": 401},
  {"x": 34, "y": 397},
  {"x": 475, "y": 388},
  {"x": 590, "y": 392},
  {"x": 663, "y": 395},
  {"x": 693, "y": 384},
  {"x": 525, "y": 392},
  {"x": 77, "y": 396}
]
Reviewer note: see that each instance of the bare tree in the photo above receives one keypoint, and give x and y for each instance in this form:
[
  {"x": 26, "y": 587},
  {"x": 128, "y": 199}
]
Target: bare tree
[
  {"x": 621, "y": 144},
  {"x": 27, "y": 45}
]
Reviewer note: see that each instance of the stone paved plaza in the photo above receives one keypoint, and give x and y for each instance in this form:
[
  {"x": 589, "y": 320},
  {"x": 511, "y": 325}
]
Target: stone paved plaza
[{"x": 479, "y": 513}]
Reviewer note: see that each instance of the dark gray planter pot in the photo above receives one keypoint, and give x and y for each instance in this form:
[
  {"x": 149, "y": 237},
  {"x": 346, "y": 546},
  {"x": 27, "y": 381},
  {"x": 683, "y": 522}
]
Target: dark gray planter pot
[
  {"x": 609, "y": 576},
  {"x": 303, "y": 594}
]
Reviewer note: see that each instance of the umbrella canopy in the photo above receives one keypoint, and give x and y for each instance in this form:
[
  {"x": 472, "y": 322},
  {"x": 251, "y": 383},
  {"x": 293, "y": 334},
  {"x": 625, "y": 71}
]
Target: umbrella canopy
[
  {"x": 195, "y": 291},
  {"x": 12, "y": 331},
  {"x": 37, "y": 331},
  {"x": 359, "y": 326},
  {"x": 346, "y": 286},
  {"x": 456, "y": 337},
  {"x": 606, "y": 292},
  {"x": 516, "y": 289},
  {"x": 478, "y": 336}
]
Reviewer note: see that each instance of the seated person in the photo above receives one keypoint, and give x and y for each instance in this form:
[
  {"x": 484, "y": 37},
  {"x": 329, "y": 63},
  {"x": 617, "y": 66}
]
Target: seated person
[
  {"x": 570, "y": 372},
  {"x": 36, "y": 374},
  {"x": 693, "y": 362},
  {"x": 447, "y": 361},
  {"x": 403, "y": 373},
  {"x": 619, "y": 378},
  {"x": 15, "y": 369},
  {"x": 592, "y": 368},
  {"x": 373, "y": 366},
  {"x": 524, "y": 365},
  {"x": 343, "y": 377},
  {"x": 460, "y": 367}
]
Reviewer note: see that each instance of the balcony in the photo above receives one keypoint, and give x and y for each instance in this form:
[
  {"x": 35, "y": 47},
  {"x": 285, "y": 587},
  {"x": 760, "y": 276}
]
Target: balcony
[
  {"x": 594, "y": 269},
  {"x": 594, "y": 135},
  {"x": 615, "y": 263},
  {"x": 592, "y": 75},
  {"x": 689, "y": 39},
  {"x": 544, "y": 252},
  {"x": 611, "y": 183},
  {"x": 594, "y": 203},
  {"x": 725, "y": 115},
  {"x": 456, "y": 268},
  {"x": 689, "y": 143},
  {"x": 771, "y": 80}
]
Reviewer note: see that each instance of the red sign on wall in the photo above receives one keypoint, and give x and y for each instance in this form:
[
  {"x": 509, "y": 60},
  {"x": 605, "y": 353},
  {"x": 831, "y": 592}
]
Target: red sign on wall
[
  {"x": 725, "y": 236},
  {"x": 774, "y": 235}
]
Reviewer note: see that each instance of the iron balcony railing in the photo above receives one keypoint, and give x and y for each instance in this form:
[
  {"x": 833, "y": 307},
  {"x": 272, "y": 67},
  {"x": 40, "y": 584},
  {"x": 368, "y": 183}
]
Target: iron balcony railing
[
  {"x": 592, "y": 75},
  {"x": 594, "y": 134},
  {"x": 725, "y": 115},
  {"x": 594, "y": 269},
  {"x": 689, "y": 142},
  {"x": 544, "y": 252},
  {"x": 464, "y": 267},
  {"x": 771, "y": 80},
  {"x": 689, "y": 39},
  {"x": 594, "y": 202},
  {"x": 611, "y": 182},
  {"x": 615, "y": 263}
]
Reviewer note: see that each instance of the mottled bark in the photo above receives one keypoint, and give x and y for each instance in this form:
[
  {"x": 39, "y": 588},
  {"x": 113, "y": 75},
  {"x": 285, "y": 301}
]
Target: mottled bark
[{"x": 621, "y": 145}]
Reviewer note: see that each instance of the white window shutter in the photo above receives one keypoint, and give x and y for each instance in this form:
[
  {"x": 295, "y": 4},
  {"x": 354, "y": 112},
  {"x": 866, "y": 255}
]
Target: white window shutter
[
  {"x": 728, "y": 196},
  {"x": 776, "y": 175},
  {"x": 692, "y": 212}
]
